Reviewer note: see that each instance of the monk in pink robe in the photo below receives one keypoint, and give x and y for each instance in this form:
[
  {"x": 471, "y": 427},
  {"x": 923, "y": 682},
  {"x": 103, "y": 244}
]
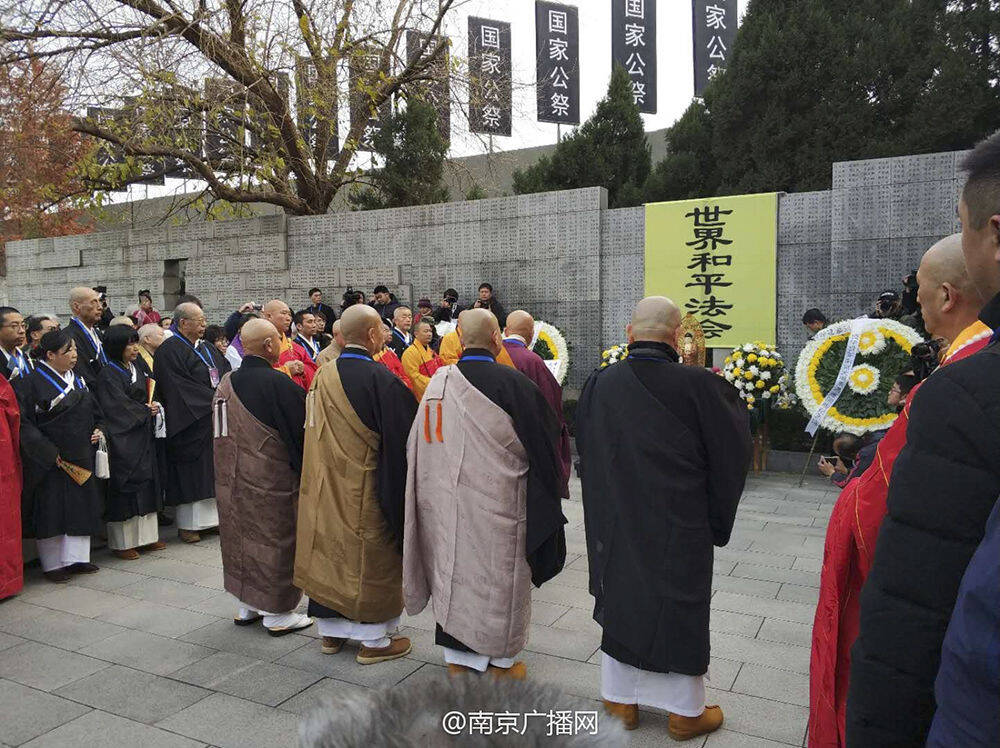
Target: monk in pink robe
[{"x": 520, "y": 330}]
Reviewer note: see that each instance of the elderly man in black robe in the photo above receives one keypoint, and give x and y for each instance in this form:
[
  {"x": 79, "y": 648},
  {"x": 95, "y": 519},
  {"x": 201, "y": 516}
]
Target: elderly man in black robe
[
  {"x": 187, "y": 370},
  {"x": 664, "y": 451},
  {"x": 259, "y": 418}
]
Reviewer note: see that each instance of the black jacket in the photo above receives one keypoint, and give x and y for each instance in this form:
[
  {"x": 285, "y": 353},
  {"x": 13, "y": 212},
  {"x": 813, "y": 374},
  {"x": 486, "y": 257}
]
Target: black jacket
[
  {"x": 89, "y": 360},
  {"x": 664, "y": 452},
  {"x": 385, "y": 311},
  {"x": 944, "y": 484}
]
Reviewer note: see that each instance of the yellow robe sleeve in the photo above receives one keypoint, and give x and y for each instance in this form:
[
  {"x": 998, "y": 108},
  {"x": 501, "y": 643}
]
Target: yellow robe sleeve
[
  {"x": 505, "y": 359},
  {"x": 411, "y": 365},
  {"x": 451, "y": 348}
]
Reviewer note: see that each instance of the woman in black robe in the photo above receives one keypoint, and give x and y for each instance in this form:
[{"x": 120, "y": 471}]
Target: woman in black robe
[
  {"x": 60, "y": 426},
  {"x": 134, "y": 487}
]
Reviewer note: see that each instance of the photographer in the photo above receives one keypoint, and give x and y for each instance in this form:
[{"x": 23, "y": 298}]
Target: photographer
[
  {"x": 889, "y": 305},
  {"x": 449, "y": 308},
  {"x": 350, "y": 298}
]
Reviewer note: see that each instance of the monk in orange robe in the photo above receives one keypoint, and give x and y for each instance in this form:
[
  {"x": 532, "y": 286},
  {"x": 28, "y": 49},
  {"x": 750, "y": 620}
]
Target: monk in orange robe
[
  {"x": 950, "y": 308},
  {"x": 419, "y": 360},
  {"x": 388, "y": 358}
]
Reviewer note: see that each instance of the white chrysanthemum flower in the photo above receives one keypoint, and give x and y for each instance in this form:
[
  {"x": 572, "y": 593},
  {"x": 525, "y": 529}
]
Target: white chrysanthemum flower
[
  {"x": 864, "y": 379},
  {"x": 765, "y": 375},
  {"x": 754, "y": 370},
  {"x": 748, "y": 348},
  {"x": 766, "y": 395},
  {"x": 739, "y": 363}
]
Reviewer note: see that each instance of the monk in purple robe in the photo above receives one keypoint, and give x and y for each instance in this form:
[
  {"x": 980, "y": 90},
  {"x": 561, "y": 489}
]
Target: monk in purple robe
[{"x": 518, "y": 333}]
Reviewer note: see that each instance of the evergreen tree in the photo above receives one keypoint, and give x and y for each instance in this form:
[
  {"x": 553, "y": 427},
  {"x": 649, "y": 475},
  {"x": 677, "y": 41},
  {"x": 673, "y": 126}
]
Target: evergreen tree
[
  {"x": 413, "y": 153},
  {"x": 811, "y": 82},
  {"x": 608, "y": 150}
]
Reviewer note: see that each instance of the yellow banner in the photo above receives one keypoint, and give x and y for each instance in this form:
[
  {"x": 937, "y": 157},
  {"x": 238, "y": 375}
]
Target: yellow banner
[{"x": 716, "y": 258}]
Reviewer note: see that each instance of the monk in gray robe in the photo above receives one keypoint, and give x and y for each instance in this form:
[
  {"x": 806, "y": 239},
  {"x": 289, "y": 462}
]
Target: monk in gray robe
[
  {"x": 258, "y": 414},
  {"x": 483, "y": 514}
]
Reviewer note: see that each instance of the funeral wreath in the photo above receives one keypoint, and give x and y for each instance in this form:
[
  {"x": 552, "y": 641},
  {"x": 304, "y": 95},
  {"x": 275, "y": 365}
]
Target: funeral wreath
[
  {"x": 757, "y": 370},
  {"x": 883, "y": 353},
  {"x": 550, "y": 345}
]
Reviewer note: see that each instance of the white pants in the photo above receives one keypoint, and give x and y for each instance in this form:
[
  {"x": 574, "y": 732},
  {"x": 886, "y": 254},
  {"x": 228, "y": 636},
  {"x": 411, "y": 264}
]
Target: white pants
[
  {"x": 63, "y": 550},
  {"x": 371, "y": 635},
  {"x": 198, "y": 515},
  {"x": 133, "y": 532},
  {"x": 271, "y": 620},
  {"x": 672, "y": 692},
  {"x": 475, "y": 661}
]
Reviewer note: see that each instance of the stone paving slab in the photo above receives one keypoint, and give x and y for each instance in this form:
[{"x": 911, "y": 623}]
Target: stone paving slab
[{"x": 144, "y": 652}]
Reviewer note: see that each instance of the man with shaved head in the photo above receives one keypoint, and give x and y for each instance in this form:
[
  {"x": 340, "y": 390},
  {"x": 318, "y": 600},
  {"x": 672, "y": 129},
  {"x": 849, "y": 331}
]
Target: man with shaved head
[
  {"x": 85, "y": 304},
  {"x": 350, "y": 528},
  {"x": 518, "y": 334},
  {"x": 259, "y": 415},
  {"x": 950, "y": 304},
  {"x": 293, "y": 358},
  {"x": 187, "y": 370},
  {"x": 944, "y": 485},
  {"x": 664, "y": 451},
  {"x": 483, "y": 513}
]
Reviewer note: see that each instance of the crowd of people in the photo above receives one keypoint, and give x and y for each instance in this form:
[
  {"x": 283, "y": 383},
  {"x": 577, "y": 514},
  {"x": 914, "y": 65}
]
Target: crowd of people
[{"x": 378, "y": 460}]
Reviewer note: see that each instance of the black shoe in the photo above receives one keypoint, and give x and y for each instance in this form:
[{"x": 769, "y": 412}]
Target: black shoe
[
  {"x": 59, "y": 576},
  {"x": 163, "y": 520},
  {"x": 82, "y": 568}
]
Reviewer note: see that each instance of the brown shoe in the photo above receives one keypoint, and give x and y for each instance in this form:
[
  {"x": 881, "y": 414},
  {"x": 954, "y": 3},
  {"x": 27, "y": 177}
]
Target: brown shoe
[
  {"x": 189, "y": 536},
  {"x": 517, "y": 671},
  {"x": 159, "y": 545},
  {"x": 627, "y": 713},
  {"x": 58, "y": 576},
  {"x": 456, "y": 671},
  {"x": 129, "y": 554},
  {"x": 330, "y": 645},
  {"x": 397, "y": 648},
  {"x": 685, "y": 728}
]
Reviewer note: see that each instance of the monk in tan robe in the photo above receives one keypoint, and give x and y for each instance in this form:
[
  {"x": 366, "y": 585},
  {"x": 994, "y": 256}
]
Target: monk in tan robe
[{"x": 350, "y": 532}]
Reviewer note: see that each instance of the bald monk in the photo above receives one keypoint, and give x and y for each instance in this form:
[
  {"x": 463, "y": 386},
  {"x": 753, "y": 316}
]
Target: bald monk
[
  {"x": 348, "y": 556},
  {"x": 294, "y": 360},
  {"x": 333, "y": 350},
  {"x": 518, "y": 334},
  {"x": 259, "y": 414},
  {"x": 450, "y": 350},
  {"x": 950, "y": 306},
  {"x": 664, "y": 452},
  {"x": 483, "y": 514},
  {"x": 85, "y": 303},
  {"x": 187, "y": 370},
  {"x": 388, "y": 358}
]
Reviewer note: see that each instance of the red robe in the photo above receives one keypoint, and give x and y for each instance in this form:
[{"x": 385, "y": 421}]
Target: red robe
[
  {"x": 294, "y": 352},
  {"x": 388, "y": 358},
  {"x": 531, "y": 365},
  {"x": 847, "y": 558},
  {"x": 11, "y": 562}
]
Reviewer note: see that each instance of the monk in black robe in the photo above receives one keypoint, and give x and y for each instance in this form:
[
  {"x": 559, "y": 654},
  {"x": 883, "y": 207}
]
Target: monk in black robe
[
  {"x": 348, "y": 556},
  {"x": 60, "y": 423},
  {"x": 85, "y": 304},
  {"x": 664, "y": 451},
  {"x": 187, "y": 370},
  {"x": 134, "y": 494}
]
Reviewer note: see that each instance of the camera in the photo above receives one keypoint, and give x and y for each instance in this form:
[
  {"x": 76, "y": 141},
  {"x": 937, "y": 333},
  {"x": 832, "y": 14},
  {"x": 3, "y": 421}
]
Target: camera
[{"x": 924, "y": 358}]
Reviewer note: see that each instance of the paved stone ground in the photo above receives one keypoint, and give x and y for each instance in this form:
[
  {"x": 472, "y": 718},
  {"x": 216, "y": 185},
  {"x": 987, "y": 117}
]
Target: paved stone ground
[{"x": 144, "y": 653}]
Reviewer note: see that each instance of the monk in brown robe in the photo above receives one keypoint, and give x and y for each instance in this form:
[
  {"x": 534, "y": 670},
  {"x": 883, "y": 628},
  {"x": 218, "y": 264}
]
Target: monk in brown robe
[
  {"x": 258, "y": 414},
  {"x": 350, "y": 532}
]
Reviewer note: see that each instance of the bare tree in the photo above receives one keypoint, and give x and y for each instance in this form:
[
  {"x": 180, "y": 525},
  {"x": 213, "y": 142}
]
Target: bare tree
[{"x": 204, "y": 88}]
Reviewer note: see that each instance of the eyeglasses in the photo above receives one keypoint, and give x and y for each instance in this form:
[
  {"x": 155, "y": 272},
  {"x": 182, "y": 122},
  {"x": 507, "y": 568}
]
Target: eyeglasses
[{"x": 16, "y": 325}]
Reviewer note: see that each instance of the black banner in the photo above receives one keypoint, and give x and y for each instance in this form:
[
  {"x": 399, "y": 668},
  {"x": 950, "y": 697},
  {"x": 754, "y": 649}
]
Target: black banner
[
  {"x": 633, "y": 46},
  {"x": 437, "y": 90},
  {"x": 364, "y": 78},
  {"x": 557, "y": 44},
  {"x": 489, "y": 77},
  {"x": 714, "y": 23},
  {"x": 316, "y": 107}
]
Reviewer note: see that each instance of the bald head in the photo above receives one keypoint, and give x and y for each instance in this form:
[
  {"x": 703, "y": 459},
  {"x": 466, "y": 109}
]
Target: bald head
[
  {"x": 655, "y": 318},
  {"x": 479, "y": 328},
  {"x": 362, "y": 325},
  {"x": 948, "y": 299},
  {"x": 278, "y": 314},
  {"x": 190, "y": 320},
  {"x": 338, "y": 336},
  {"x": 150, "y": 336},
  {"x": 260, "y": 338},
  {"x": 519, "y": 322},
  {"x": 85, "y": 303}
]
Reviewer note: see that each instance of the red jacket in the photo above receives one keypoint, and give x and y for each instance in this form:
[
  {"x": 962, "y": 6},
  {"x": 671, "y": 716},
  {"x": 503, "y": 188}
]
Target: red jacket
[{"x": 11, "y": 562}]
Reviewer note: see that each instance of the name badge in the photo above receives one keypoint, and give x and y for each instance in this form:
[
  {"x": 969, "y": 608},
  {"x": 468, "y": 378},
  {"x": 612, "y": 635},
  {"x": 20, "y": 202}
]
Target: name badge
[{"x": 213, "y": 375}]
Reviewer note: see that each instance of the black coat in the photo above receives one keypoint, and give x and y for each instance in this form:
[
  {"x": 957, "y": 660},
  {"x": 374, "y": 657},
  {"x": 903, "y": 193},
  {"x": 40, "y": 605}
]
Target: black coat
[
  {"x": 134, "y": 487},
  {"x": 944, "y": 484},
  {"x": 52, "y": 503},
  {"x": 89, "y": 360},
  {"x": 664, "y": 451}
]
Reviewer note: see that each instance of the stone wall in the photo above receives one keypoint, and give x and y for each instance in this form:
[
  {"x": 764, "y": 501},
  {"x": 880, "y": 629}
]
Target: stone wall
[{"x": 562, "y": 255}]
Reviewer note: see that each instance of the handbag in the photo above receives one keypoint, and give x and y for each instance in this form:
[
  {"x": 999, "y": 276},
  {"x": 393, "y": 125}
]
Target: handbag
[{"x": 102, "y": 468}]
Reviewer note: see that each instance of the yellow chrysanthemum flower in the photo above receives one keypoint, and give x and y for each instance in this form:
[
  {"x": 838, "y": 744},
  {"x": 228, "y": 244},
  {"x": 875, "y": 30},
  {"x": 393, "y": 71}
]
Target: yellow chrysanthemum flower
[
  {"x": 760, "y": 384},
  {"x": 752, "y": 357},
  {"x": 748, "y": 375}
]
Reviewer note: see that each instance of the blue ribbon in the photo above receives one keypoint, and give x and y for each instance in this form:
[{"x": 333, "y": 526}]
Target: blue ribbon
[
  {"x": 94, "y": 342},
  {"x": 207, "y": 361},
  {"x": 61, "y": 385},
  {"x": 355, "y": 355},
  {"x": 477, "y": 358},
  {"x": 307, "y": 345},
  {"x": 516, "y": 342}
]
